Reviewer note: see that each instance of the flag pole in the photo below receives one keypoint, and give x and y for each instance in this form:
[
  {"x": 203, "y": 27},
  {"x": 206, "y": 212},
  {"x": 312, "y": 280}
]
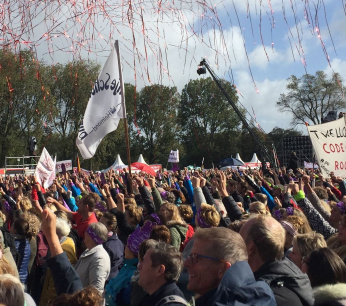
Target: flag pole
[{"x": 116, "y": 44}]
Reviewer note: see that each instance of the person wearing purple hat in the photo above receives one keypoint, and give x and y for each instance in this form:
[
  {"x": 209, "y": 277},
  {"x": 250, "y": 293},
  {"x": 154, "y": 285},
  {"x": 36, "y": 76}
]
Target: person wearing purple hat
[
  {"x": 118, "y": 290},
  {"x": 93, "y": 266}
]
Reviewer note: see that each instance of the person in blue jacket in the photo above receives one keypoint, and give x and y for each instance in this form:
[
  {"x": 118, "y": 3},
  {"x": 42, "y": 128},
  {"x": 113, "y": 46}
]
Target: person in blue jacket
[{"x": 219, "y": 272}]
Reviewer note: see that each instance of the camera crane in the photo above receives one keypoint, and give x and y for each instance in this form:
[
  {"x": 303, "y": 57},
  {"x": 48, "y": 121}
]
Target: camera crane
[{"x": 203, "y": 65}]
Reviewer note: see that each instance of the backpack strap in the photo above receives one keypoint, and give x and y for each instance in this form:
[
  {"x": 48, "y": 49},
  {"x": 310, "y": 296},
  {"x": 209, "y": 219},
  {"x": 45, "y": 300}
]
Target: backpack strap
[{"x": 172, "y": 299}]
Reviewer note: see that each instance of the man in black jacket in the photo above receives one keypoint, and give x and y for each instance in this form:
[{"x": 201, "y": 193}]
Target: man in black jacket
[
  {"x": 158, "y": 273},
  {"x": 265, "y": 239}
]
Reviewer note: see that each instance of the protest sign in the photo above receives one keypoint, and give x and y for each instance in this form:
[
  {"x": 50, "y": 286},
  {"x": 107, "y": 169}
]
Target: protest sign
[{"x": 328, "y": 140}]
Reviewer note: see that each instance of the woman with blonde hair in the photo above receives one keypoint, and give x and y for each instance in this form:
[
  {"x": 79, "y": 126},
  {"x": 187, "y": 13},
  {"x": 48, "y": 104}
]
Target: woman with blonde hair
[
  {"x": 304, "y": 244},
  {"x": 170, "y": 216},
  {"x": 258, "y": 207}
]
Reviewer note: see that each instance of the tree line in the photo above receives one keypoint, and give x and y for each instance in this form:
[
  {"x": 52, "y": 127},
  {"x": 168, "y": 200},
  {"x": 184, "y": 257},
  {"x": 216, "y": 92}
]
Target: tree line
[{"x": 48, "y": 102}]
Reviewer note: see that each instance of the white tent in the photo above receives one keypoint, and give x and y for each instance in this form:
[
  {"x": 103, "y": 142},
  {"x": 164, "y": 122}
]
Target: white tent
[
  {"x": 118, "y": 164},
  {"x": 238, "y": 157},
  {"x": 254, "y": 159},
  {"x": 141, "y": 159}
]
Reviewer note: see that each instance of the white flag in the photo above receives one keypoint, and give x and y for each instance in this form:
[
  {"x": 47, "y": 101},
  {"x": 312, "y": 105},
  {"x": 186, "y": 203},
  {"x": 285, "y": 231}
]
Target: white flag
[
  {"x": 173, "y": 156},
  {"x": 45, "y": 169},
  {"x": 105, "y": 107},
  {"x": 328, "y": 140}
]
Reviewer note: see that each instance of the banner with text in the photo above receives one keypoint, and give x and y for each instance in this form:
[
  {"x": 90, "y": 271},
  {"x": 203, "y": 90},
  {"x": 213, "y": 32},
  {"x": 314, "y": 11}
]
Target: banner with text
[
  {"x": 173, "y": 156},
  {"x": 328, "y": 140},
  {"x": 64, "y": 163},
  {"x": 105, "y": 107}
]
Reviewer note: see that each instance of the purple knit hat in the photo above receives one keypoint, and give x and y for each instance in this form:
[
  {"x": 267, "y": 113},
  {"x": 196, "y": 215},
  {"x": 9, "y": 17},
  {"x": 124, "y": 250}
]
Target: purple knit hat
[
  {"x": 341, "y": 207},
  {"x": 139, "y": 235}
]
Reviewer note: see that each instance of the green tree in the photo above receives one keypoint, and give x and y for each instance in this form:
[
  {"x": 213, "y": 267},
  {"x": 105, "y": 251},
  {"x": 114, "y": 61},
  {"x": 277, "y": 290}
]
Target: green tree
[
  {"x": 209, "y": 125},
  {"x": 156, "y": 118},
  {"x": 310, "y": 98},
  {"x": 23, "y": 99}
]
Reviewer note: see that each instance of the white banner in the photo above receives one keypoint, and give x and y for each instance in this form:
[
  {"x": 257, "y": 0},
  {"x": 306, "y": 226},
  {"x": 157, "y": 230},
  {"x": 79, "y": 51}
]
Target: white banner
[
  {"x": 67, "y": 163},
  {"x": 45, "y": 169},
  {"x": 104, "y": 109},
  {"x": 173, "y": 156},
  {"x": 328, "y": 140},
  {"x": 310, "y": 165}
]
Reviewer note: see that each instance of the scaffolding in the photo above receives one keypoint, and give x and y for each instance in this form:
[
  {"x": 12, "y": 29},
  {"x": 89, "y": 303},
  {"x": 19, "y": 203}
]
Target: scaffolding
[{"x": 21, "y": 164}]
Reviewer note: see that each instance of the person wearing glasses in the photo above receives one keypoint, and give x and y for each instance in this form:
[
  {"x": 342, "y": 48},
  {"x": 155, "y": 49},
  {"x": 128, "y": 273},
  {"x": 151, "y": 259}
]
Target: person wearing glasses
[{"x": 219, "y": 273}]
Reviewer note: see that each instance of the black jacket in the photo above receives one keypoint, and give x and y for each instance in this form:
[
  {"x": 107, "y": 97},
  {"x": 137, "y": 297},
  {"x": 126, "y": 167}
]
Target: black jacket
[
  {"x": 238, "y": 287},
  {"x": 289, "y": 284},
  {"x": 164, "y": 291}
]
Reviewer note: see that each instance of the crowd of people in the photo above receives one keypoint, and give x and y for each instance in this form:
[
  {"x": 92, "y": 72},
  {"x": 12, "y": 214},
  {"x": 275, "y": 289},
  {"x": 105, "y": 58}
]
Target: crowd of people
[{"x": 207, "y": 237}]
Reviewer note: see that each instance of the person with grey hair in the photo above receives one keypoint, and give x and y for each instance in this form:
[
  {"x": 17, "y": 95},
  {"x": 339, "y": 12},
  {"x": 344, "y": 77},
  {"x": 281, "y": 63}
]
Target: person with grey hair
[
  {"x": 219, "y": 272},
  {"x": 158, "y": 272},
  {"x": 11, "y": 290},
  {"x": 67, "y": 244},
  {"x": 94, "y": 264}
]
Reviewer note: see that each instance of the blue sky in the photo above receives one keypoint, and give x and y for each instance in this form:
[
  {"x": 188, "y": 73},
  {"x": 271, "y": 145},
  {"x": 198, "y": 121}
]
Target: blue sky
[{"x": 172, "y": 37}]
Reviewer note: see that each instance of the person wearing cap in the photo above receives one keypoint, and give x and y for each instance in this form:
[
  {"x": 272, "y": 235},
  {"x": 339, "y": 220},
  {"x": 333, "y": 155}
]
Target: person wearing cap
[{"x": 93, "y": 266}]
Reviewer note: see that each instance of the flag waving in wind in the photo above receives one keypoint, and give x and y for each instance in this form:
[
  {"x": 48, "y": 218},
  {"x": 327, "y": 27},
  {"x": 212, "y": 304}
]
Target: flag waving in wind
[{"x": 105, "y": 106}]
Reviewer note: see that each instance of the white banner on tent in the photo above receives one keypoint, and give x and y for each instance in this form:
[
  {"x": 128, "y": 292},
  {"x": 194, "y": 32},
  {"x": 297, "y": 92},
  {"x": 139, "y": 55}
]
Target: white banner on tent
[
  {"x": 328, "y": 140},
  {"x": 173, "y": 156},
  {"x": 45, "y": 169}
]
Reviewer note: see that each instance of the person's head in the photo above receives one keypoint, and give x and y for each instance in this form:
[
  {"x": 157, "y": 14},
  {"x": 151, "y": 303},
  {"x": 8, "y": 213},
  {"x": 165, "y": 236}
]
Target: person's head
[
  {"x": 321, "y": 193},
  {"x": 304, "y": 244},
  {"x": 290, "y": 231},
  {"x": 11, "y": 290},
  {"x": 186, "y": 213},
  {"x": 277, "y": 190},
  {"x": 231, "y": 186},
  {"x": 258, "y": 207},
  {"x": 95, "y": 234},
  {"x": 161, "y": 233},
  {"x": 63, "y": 227},
  {"x": 324, "y": 266},
  {"x": 243, "y": 187},
  {"x": 207, "y": 216},
  {"x": 170, "y": 212},
  {"x": 261, "y": 197},
  {"x": 89, "y": 296},
  {"x": 214, "y": 250},
  {"x": 338, "y": 210},
  {"x": 161, "y": 263},
  {"x": 87, "y": 203},
  {"x": 24, "y": 203},
  {"x": 265, "y": 239},
  {"x": 300, "y": 224},
  {"x": 133, "y": 214},
  {"x": 342, "y": 230},
  {"x": 33, "y": 221},
  {"x": 20, "y": 227},
  {"x": 110, "y": 221}
]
